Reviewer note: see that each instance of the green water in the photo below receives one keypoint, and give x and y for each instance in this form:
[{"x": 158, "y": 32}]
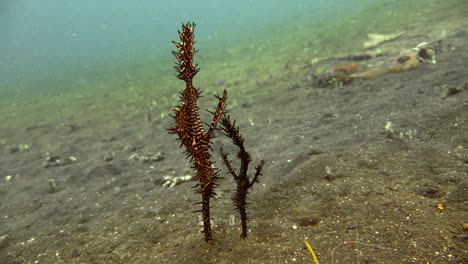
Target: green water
[{"x": 142, "y": 81}]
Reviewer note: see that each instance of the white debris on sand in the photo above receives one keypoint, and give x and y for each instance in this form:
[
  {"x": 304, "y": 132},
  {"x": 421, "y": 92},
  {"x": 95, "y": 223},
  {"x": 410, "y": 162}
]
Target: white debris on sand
[
  {"x": 171, "y": 181},
  {"x": 377, "y": 39}
]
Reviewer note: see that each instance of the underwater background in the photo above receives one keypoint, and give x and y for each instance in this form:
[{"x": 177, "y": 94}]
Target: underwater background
[
  {"x": 50, "y": 46},
  {"x": 368, "y": 170},
  {"x": 54, "y": 51}
]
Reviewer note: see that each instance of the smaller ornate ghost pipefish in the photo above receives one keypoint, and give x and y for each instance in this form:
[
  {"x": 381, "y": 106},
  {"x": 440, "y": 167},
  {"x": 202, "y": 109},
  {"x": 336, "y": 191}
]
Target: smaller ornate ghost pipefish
[{"x": 242, "y": 179}]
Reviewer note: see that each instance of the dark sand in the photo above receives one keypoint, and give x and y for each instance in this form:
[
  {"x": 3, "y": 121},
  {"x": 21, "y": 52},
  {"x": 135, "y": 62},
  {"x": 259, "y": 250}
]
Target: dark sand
[{"x": 332, "y": 176}]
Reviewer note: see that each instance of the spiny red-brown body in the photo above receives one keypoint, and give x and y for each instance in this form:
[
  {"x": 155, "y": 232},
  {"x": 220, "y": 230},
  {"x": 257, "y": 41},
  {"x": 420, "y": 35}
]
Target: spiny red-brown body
[
  {"x": 189, "y": 127},
  {"x": 242, "y": 179}
]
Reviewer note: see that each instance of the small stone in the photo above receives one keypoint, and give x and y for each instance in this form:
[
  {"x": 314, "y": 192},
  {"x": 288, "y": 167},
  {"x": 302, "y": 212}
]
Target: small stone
[
  {"x": 108, "y": 157},
  {"x": 308, "y": 221},
  {"x": 452, "y": 91},
  {"x": 23, "y": 147},
  {"x": 14, "y": 149},
  {"x": 158, "y": 156},
  {"x": 4, "y": 242},
  {"x": 82, "y": 228},
  {"x": 429, "y": 190},
  {"x": 75, "y": 253},
  {"x": 53, "y": 158},
  {"x": 130, "y": 148},
  {"x": 52, "y": 186}
]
